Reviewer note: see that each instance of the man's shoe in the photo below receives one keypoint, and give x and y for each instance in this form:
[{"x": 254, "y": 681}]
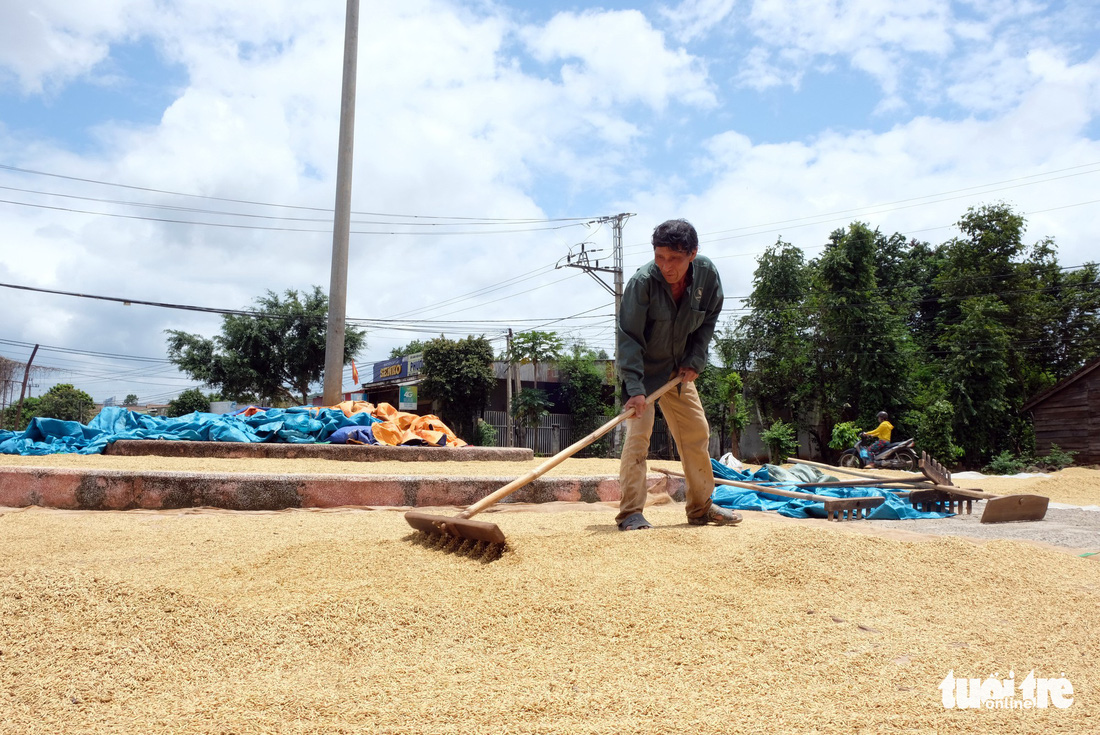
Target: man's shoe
[
  {"x": 634, "y": 522},
  {"x": 717, "y": 515}
]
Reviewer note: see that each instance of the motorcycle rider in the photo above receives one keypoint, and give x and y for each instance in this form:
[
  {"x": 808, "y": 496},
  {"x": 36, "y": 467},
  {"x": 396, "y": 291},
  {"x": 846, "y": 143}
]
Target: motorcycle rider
[{"x": 881, "y": 434}]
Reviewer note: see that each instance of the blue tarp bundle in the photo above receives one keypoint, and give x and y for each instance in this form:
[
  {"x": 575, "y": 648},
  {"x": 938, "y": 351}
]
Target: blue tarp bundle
[
  {"x": 736, "y": 498},
  {"x": 293, "y": 425}
]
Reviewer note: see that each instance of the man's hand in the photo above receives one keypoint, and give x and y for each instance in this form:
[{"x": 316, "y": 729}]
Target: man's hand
[
  {"x": 687, "y": 375},
  {"x": 637, "y": 403}
]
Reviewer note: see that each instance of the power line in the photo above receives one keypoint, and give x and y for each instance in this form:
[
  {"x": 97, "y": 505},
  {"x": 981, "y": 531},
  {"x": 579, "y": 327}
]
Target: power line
[
  {"x": 283, "y": 206},
  {"x": 265, "y": 228}
]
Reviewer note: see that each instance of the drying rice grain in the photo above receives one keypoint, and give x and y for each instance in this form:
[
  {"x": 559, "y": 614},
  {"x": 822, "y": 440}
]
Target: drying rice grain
[{"x": 338, "y": 622}]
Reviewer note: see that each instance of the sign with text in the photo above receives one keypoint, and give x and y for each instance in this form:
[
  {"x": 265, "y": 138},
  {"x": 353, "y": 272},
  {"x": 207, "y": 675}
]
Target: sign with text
[
  {"x": 399, "y": 367},
  {"x": 406, "y": 398}
]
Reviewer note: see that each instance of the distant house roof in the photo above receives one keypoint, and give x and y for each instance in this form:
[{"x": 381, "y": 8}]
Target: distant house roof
[{"x": 1061, "y": 386}]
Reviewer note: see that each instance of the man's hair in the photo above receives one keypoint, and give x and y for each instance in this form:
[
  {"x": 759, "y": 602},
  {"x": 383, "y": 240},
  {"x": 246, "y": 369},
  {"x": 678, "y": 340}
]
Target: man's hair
[{"x": 676, "y": 234}]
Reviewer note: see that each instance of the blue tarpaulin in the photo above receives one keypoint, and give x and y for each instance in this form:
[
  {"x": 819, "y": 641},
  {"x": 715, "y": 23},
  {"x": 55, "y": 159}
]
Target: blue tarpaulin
[
  {"x": 292, "y": 425},
  {"x": 736, "y": 498}
]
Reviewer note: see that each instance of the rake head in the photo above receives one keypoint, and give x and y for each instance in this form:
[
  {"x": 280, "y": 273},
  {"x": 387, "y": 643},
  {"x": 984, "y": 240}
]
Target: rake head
[
  {"x": 850, "y": 509},
  {"x": 938, "y": 501},
  {"x": 455, "y": 527},
  {"x": 1011, "y": 508}
]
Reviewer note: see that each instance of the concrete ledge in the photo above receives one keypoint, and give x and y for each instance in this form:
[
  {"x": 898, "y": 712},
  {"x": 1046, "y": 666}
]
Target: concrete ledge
[
  {"x": 124, "y": 490},
  {"x": 339, "y": 452}
]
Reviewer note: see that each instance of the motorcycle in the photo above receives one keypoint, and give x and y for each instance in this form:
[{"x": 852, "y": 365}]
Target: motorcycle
[{"x": 894, "y": 456}]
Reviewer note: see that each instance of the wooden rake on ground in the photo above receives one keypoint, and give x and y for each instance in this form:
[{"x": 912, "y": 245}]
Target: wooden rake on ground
[
  {"x": 461, "y": 527},
  {"x": 935, "y": 492},
  {"x": 998, "y": 508},
  {"x": 836, "y": 509}
]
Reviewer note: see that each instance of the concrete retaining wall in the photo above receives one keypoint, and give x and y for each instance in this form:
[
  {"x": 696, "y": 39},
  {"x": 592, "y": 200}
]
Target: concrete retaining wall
[
  {"x": 124, "y": 490},
  {"x": 339, "y": 452}
]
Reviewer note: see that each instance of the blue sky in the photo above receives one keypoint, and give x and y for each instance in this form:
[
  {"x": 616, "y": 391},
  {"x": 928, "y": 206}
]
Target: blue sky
[{"x": 161, "y": 133}]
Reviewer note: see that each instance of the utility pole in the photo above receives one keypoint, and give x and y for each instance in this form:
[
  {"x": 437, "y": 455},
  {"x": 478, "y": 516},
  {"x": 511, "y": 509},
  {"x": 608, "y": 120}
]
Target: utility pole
[
  {"x": 341, "y": 225},
  {"x": 584, "y": 261},
  {"x": 23, "y": 390},
  {"x": 511, "y": 440}
]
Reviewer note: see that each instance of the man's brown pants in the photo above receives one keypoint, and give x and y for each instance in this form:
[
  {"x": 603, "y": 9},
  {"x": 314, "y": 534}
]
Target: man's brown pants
[{"x": 683, "y": 412}]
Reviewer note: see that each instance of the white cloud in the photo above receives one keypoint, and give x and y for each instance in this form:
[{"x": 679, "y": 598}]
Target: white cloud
[
  {"x": 476, "y": 114},
  {"x": 48, "y": 42},
  {"x": 695, "y": 18},
  {"x": 618, "y": 57},
  {"x": 918, "y": 178}
]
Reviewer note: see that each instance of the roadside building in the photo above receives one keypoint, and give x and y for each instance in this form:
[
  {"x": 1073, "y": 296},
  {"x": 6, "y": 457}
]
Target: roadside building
[{"x": 1068, "y": 414}]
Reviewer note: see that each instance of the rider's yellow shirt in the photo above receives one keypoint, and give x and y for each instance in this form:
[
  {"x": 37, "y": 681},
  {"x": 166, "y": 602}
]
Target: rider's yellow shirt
[{"x": 883, "y": 431}]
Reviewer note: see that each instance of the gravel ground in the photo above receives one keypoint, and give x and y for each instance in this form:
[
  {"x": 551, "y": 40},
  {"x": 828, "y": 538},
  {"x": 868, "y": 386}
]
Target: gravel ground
[{"x": 1072, "y": 529}]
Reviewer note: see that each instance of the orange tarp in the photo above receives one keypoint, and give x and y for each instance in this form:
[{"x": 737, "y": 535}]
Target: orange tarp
[{"x": 398, "y": 427}]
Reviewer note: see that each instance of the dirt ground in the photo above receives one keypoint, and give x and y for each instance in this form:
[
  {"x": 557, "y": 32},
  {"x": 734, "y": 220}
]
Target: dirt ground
[{"x": 345, "y": 621}]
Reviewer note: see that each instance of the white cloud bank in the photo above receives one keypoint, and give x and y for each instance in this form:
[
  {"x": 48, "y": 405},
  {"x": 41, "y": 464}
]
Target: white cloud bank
[{"x": 477, "y": 113}]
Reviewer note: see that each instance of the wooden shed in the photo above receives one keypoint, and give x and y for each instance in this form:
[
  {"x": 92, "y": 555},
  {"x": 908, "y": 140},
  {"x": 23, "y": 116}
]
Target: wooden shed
[{"x": 1068, "y": 415}]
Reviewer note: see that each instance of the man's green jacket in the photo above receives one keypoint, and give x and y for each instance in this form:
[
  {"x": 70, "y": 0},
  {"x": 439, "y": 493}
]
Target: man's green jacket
[{"x": 656, "y": 337}]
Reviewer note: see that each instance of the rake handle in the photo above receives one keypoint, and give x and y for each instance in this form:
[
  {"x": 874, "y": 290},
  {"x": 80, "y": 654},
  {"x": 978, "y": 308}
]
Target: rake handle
[
  {"x": 840, "y": 470},
  {"x": 563, "y": 455},
  {"x": 975, "y": 494},
  {"x": 769, "y": 490}
]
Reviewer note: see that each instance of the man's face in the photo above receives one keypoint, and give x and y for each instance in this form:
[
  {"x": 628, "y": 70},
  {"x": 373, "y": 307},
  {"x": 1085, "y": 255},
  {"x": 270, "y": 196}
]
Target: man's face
[{"x": 672, "y": 263}]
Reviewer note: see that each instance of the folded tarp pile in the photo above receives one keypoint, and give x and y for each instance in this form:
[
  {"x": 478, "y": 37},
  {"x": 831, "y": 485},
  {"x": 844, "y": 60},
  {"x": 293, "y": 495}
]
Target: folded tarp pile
[
  {"x": 894, "y": 508},
  {"x": 356, "y": 422}
]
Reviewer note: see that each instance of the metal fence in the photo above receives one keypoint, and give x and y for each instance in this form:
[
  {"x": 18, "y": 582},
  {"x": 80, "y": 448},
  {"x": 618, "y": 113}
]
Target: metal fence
[{"x": 555, "y": 432}]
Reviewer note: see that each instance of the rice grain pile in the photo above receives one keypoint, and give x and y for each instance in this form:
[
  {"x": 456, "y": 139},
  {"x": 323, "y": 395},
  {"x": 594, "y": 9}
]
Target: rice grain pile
[{"x": 340, "y": 622}]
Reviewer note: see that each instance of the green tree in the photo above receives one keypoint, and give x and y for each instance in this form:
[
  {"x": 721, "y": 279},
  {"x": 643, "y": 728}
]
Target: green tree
[
  {"x": 12, "y": 422},
  {"x": 583, "y": 396},
  {"x": 459, "y": 374},
  {"x": 275, "y": 355},
  {"x": 1011, "y": 323},
  {"x": 529, "y": 406},
  {"x": 536, "y": 347},
  {"x": 862, "y": 346},
  {"x": 131, "y": 400},
  {"x": 65, "y": 402},
  {"x": 722, "y": 394},
  {"x": 189, "y": 401},
  {"x": 977, "y": 375},
  {"x": 411, "y": 348},
  {"x": 770, "y": 346}
]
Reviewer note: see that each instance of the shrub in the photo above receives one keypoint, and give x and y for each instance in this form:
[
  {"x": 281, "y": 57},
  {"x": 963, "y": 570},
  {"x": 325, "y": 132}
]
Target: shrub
[
  {"x": 845, "y": 435},
  {"x": 1005, "y": 463},
  {"x": 933, "y": 432},
  {"x": 781, "y": 440},
  {"x": 485, "y": 434},
  {"x": 1057, "y": 459}
]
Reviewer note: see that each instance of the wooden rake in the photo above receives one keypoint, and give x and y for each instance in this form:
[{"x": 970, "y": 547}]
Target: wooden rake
[
  {"x": 462, "y": 527},
  {"x": 998, "y": 508},
  {"x": 836, "y": 509}
]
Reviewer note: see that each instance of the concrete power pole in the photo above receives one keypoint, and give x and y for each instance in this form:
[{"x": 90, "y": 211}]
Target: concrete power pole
[
  {"x": 584, "y": 260},
  {"x": 341, "y": 225},
  {"x": 510, "y": 440}
]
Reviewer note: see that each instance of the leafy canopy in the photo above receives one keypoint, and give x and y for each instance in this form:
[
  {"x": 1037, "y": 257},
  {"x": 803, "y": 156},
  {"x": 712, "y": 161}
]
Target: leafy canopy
[
  {"x": 188, "y": 402},
  {"x": 459, "y": 374},
  {"x": 67, "y": 403},
  {"x": 275, "y": 356}
]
